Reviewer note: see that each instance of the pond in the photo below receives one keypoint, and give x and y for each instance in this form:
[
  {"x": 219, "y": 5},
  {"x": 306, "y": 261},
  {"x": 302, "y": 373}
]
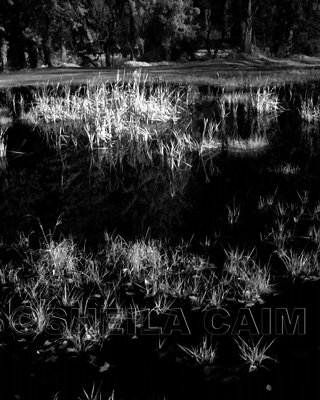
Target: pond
[{"x": 154, "y": 197}]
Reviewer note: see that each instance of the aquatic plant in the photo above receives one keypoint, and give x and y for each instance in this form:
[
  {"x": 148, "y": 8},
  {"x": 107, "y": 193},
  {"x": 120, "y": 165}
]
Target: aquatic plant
[
  {"x": 247, "y": 279},
  {"x": 140, "y": 121},
  {"x": 204, "y": 353},
  {"x": 254, "y": 354},
  {"x": 310, "y": 110}
]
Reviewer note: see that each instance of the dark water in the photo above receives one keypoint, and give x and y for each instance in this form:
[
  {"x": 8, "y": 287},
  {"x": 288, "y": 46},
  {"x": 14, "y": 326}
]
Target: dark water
[
  {"x": 37, "y": 184},
  {"x": 213, "y": 203}
]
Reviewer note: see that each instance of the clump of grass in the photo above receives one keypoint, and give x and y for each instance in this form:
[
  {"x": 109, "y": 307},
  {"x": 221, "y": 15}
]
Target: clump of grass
[
  {"x": 247, "y": 279},
  {"x": 301, "y": 264},
  {"x": 162, "y": 303},
  {"x": 33, "y": 318},
  {"x": 253, "y": 143},
  {"x": 95, "y": 394},
  {"x": 310, "y": 110},
  {"x": 3, "y": 150},
  {"x": 262, "y": 99},
  {"x": 210, "y": 139},
  {"x": 86, "y": 332},
  {"x": 234, "y": 212},
  {"x": 216, "y": 294},
  {"x": 267, "y": 202},
  {"x": 254, "y": 354},
  {"x": 204, "y": 353},
  {"x": 314, "y": 234},
  {"x": 138, "y": 120},
  {"x": 266, "y": 101},
  {"x": 260, "y": 105},
  {"x": 287, "y": 169},
  {"x": 315, "y": 212},
  {"x": 158, "y": 272},
  {"x": 287, "y": 216},
  {"x": 144, "y": 260},
  {"x": 55, "y": 262},
  {"x": 58, "y": 262},
  {"x": 280, "y": 234}
]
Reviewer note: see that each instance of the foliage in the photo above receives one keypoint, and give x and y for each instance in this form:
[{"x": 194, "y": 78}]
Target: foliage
[
  {"x": 288, "y": 26},
  {"x": 170, "y": 25},
  {"x": 54, "y": 31}
]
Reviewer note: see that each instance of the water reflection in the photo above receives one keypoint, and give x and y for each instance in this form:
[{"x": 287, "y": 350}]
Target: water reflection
[
  {"x": 207, "y": 180},
  {"x": 93, "y": 197},
  {"x": 5, "y": 123}
]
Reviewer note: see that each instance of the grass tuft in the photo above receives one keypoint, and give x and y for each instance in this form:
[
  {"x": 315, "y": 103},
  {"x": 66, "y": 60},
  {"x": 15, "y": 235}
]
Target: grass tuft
[
  {"x": 204, "y": 353},
  {"x": 254, "y": 354}
]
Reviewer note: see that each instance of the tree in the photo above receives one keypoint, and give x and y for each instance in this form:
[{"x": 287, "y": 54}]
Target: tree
[
  {"x": 170, "y": 25},
  {"x": 134, "y": 38},
  {"x": 53, "y": 21},
  {"x": 215, "y": 22},
  {"x": 288, "y": 26},
  {"x": 242, "y": 29},
  {"x": 13, "y": 31},
  {"x": 104, "y": 19}
]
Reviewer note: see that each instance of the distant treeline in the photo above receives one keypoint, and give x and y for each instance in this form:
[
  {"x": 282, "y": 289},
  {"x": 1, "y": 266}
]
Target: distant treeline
[{"x": 50, "y": 32}]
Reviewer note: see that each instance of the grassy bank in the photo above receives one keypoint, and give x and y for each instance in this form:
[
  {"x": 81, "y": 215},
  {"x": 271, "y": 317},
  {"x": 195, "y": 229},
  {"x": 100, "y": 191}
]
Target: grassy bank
[{"x": 235, "y": 72}]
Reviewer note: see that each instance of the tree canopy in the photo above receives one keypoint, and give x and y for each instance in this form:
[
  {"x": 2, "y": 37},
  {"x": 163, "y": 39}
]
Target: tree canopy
[{"x": 52, "y": 31}]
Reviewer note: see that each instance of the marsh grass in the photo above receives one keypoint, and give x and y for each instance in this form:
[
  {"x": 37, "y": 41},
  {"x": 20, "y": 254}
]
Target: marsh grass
[
  {"x": 287, "y": 169},
  {"x": 310, "y": 110},
  {"x": 266, "y": 101},
  {"x": 63, "y": 273},
  {"x": 287, "y": 219},
  {"x": 144, "y": 121},
  {"x": 254, "y": 354},
  {"x": 314, "y": 234},
  {"x": 41, "y": 313},
  {"x": 253, "y": 143},
  {"x": 203, "y": 354},
  {"x": 139, "y": 121},
  {"x": 216, "y": 293},
  {"x": 95, "y": 394},
  {"x": 162, "y": 303},
  {"x": 87, "y": 331},
  {"x": 3, "y": 150},
  {"x": 262, "y": 100},
  {"x": 301, "y": 264},
  {"x": 261, "y": 105},
  {"x": 248, "y": 280},
  {"x": 266, "y": 202},
  {"x": 282, "y": 232}
]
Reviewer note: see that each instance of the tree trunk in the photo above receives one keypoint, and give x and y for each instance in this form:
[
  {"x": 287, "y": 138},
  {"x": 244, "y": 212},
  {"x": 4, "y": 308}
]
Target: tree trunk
[
  {"x": 167, "y": 46},
  {"x": 167, "y": 53},
  {"x": 107, "y": 52},
  {"x": 16, "y": 54},
  {"x": 47, "y": 52},
  {"x": 3, "y": 54},
  {"x": 141, "y": 42},
  {"x": 63, "y": 52},
  {"x": 33, "y": 54},
  {"x": 132, "y": 55},
  {"x": 46, "y": 43},
  {"x": 131, "y": 38},
  {"x": 244, "y": 24},
  {"x": 208, "y": 27}
]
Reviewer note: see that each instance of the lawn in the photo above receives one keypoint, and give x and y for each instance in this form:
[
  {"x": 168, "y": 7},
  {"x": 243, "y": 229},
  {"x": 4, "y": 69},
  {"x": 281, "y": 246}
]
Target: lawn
[{"x": 226, "y": 71}]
